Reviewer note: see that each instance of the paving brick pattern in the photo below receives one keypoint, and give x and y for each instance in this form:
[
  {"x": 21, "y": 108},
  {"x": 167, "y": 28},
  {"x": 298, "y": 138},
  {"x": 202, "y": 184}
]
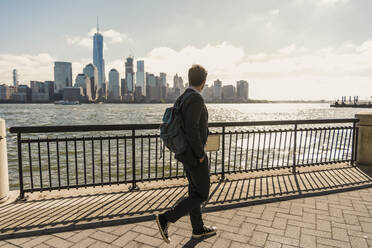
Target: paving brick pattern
[{"x": 334, "y": 220}]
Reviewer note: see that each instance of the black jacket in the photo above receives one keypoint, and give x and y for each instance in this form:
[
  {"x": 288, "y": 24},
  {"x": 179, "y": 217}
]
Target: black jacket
[{"x": 195, "y": 118}]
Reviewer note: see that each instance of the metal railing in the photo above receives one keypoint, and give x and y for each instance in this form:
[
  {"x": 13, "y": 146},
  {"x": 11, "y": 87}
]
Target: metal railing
[{"x": 134, "y": 153}]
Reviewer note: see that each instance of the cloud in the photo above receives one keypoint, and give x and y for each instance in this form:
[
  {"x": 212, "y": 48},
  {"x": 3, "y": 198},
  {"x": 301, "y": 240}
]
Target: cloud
[
  {"x": 291, "y": 72},
  {"x": 115, "y": 36},
  {"x": 274, "y": 12},
  {"x": 332, "y": 2},
  {"x": 110, "y": 36},
  {"x": 80, "y": 41},
  {"x": 117, "y": 64},
  {"x": 217, "y": 58},
  {"x": 325, "y": 3},
  {"x": 30, "y": 67}
]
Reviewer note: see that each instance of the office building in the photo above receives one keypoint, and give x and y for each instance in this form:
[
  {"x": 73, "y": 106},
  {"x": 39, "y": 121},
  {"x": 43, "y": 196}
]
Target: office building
[
  {"x": 242, "y": 88},
  {"x": 140, "y": 77},
  {"x": 40, "y": 92},
  {"x": 207, "y": 93},
  {"x": 50, "y": 88},
  {"x": 138, "y": 95},
  {"x": 22, "y": 95},
  {"x": 98, "y": 60},
  {"x": 62, "y": 75},
  {"x": 129, "y": 75},
  {"x": 73, "y": 94},
  {"x": 91, "y": 71},
  {"x": 178, "y": 82},
  {"x": 228, "y": 93},
  {"x": 152, "y": 88},
  {"x": 15, "y": 78},
  {"x": 217, "y": 90},
  {"x": 83, "y": 81},
  {"x": 123, "y": 86},
  {"x": 163, "y": 79},
  {"x": 114, "y": 86},
  {"x": 6, "y": 92}
]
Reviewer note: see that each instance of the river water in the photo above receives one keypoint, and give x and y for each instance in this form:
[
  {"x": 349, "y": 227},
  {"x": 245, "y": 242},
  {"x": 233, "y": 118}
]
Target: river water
[{"x": 90, "y": 114}]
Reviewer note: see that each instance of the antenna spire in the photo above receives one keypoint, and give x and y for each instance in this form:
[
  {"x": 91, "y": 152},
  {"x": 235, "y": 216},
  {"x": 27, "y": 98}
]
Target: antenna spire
[{"x": 97, "y": 25}]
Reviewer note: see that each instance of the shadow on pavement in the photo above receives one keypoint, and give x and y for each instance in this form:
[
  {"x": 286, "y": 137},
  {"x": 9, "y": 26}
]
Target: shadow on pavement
[{"x": 59, "y": 214}]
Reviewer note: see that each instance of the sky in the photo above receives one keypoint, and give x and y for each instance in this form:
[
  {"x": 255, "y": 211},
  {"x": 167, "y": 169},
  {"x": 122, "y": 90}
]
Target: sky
[{"x": 287, "y": 49}]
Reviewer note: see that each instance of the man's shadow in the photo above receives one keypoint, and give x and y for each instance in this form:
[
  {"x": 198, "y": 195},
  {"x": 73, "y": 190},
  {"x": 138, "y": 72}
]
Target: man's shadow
[{"x": 193, "y": 242}]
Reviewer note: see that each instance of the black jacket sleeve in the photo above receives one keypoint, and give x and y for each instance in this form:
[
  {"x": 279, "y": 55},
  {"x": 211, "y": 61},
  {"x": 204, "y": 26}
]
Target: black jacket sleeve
[{"x": 191, "y": 115}]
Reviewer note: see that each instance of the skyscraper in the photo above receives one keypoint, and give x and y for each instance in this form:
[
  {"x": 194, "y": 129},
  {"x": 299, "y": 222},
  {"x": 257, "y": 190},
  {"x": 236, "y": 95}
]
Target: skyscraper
[
  {"x": 242, "y": 90},
  {"x": 129, "y": 75},
  {"x": 50, "y": 86},
  {"x": 91, "y": 71},
  {"x": 217, "y": 90},
  {"x": 163, "y": 78},
  {"x": 123, "y": 86},
  {"x": 15, "y": 78},
  {"x": 152, "y": 88},
  {"x": 180, "y": 83},
  {"x": 114, "y": 88},
  {"x": 177, "y": 82},
  {"x": 83, "y": 81},
  {"x": 62, "y": 75},
  {"x": 228, "y": 92},
  {"x": 98, "y": 57},
  {"x": 140, "y": 76},
  {"x": 40, "y": 91}
]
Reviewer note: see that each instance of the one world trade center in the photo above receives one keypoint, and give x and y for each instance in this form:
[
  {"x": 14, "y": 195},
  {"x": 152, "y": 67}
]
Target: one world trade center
[{"x": 98, "y": 60}]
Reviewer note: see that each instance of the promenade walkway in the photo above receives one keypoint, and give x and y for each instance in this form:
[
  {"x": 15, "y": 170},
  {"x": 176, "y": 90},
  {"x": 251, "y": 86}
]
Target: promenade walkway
[{"x": 320, "y": 206}]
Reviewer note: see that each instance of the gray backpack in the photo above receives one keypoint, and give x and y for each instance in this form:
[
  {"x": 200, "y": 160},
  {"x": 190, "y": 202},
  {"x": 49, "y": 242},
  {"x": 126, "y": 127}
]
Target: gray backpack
[{"x": 171, "y": 130}]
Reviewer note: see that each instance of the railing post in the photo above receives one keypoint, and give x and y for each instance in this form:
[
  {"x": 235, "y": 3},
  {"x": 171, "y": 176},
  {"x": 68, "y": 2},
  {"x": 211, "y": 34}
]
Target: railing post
[
  {"x": 353, "y": 150},
  {"x": 356, "y": 144},
  {"x": 223, "y": 153},
  {"x": 294, "y": 149},
  {"x": 4, "y": 178},
  {"x": 134, "y": 185},
  {"x": 20, "y": 168}
]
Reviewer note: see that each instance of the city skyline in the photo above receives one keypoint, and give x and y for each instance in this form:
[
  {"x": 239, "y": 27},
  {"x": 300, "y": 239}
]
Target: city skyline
[{"x": 318, "y": 57}]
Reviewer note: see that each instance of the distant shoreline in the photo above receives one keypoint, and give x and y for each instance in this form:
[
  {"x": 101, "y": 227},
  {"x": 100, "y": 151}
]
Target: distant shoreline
[{"x": 226, "y": 102}]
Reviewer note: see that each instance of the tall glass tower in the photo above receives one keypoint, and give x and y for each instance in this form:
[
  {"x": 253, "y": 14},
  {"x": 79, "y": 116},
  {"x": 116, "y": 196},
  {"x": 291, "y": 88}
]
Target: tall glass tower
[
  {"x": 98, "y": 57},
  {"x": 140, "y": 76},
  {"x": 62, "y": 75},
  {"x": 15, "y": 78},
  {"x": 129, "y": 75}
]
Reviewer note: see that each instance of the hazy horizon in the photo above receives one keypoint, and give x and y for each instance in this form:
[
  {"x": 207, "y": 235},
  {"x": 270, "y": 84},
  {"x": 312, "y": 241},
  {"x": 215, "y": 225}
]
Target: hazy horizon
[{"x": 286, "y": 50}]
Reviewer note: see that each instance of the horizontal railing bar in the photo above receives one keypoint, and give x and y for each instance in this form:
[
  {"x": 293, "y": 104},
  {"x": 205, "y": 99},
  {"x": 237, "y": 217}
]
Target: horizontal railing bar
[
  {"x": 89, "y": 128},
  {"x": 157, "y": 135},
  {"x": 284, "y": 122},
  {"x": 128, "y": 137}
]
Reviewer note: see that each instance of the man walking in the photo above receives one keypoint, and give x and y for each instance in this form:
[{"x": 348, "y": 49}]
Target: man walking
[{"x": 194, "y": 159}]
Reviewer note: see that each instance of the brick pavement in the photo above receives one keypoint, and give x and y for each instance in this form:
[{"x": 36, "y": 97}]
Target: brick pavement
[{"x": 332, "y": 220}]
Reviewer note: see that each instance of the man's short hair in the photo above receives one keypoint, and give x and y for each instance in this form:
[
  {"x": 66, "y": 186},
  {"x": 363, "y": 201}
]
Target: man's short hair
[{"x": 197, "y": 75}]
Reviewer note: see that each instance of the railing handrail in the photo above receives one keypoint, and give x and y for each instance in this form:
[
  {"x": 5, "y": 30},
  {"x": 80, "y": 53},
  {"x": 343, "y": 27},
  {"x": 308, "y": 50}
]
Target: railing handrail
[{"x": 120, "y": 127}]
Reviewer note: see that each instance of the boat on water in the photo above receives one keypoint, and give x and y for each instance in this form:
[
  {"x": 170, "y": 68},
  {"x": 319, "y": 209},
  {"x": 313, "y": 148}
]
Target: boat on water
[
  {"x": 355, "y": 103},
  {"x": 62, "y": 102}
]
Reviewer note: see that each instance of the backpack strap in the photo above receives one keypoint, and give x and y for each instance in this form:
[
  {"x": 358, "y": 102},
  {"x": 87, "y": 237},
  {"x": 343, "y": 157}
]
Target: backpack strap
[{"x": 180, "y": 102}]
